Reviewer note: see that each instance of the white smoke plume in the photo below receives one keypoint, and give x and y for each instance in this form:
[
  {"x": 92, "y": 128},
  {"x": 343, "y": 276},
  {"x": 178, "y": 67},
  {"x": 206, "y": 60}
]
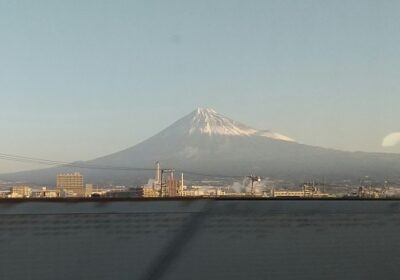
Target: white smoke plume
[
  {"x": 391, "y": 140},
  {"x": 238, "y": 187},
  {"x": 151, "y": 182},
  {"x": 245, "y": 186}
]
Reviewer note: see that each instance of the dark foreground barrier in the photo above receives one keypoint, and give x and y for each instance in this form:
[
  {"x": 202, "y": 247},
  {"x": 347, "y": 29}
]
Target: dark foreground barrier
[{"x": 200, "y": 239}]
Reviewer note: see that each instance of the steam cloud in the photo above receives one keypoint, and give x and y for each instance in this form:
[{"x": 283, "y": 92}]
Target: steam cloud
[
  {"x": 245, "y": 186},
  {"x": 238, "y": 187},
  {"x": 391, "y": 140}
]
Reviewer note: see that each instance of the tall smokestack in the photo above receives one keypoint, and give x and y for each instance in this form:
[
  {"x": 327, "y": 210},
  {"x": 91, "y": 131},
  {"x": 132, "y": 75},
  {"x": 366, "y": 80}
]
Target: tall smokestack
[
  {"x": 157, "y": 173},
  {"x": 182, "y": 184}
]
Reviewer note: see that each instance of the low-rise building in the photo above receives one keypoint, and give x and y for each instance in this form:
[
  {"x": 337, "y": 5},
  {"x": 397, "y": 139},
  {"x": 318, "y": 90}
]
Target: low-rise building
[
  {"x": 20, "y": 192},
  {"x": 45, "y": 193},
  {"x": 125, "y": 193},
  {"x": 88, "y": 190}
]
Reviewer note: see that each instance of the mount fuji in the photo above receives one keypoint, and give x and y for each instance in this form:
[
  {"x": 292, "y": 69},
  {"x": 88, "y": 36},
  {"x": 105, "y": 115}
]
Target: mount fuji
[
  {"x": 209, "y": 122},
  {"x": 206, "y": 144}
]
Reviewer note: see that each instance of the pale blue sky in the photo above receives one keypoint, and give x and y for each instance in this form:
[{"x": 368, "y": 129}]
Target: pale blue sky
[{"x": 80, "y": 79}]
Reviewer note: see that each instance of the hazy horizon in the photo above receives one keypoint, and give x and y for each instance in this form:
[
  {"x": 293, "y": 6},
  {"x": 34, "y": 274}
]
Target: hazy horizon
[{"x": 83, "y": 80}]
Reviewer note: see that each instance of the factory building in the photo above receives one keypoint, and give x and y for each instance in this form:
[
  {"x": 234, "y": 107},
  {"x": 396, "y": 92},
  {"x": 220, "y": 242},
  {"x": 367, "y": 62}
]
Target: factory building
[
  {"x": 149, "y": 191},
  {"x": 172, "y": 186}
]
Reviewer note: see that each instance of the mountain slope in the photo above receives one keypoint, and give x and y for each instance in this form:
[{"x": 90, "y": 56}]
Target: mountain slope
[{"x": 209, "y": 143}]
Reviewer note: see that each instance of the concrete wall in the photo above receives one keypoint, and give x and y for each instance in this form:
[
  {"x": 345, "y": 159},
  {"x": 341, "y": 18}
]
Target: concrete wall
[{"x": 200, "y": 239}]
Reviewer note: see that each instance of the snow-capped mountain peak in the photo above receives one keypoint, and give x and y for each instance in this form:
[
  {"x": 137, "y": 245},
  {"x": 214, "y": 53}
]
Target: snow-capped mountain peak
[{"x": 208, "y": 121}]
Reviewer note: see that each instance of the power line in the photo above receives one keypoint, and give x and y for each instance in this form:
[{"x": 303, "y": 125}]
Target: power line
[
  {"x": 67, "y": 164},
  {"x": 26, "y": 159}
]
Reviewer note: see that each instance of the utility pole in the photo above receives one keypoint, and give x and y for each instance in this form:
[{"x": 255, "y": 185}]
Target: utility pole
[{"x": 253, "y": 179}]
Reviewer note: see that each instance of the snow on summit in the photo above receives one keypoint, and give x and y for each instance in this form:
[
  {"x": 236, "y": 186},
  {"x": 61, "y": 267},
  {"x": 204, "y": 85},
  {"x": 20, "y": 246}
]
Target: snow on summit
[{"x": 208, "y": 121}]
